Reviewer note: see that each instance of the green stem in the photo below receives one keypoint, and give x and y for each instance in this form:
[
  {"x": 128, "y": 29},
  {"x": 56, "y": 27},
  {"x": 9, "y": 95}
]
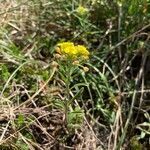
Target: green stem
[
  {"x": 68, "y": 80},
  {"x": 127, "y": 122}
]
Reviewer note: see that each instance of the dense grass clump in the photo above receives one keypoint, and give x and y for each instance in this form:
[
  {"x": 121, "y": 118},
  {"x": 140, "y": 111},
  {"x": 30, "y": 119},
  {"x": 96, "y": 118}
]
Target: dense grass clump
[{"x": 74, "y": 74}]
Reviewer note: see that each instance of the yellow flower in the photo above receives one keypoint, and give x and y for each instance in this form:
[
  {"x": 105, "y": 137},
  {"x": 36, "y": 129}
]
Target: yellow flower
[
  {"x": 82, "y": 10},
  {"x": 69, "y": 49},
  {"x": 65, "y": 45},
  {"x": 82, "y": 51}
]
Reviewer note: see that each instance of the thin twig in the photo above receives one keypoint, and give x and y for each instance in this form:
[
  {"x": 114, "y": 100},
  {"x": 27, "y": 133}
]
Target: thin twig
[
  {"x": 138, "y": 79},
  {"x": 34, "y": 95},
  {"x": 129, "y": 37}
]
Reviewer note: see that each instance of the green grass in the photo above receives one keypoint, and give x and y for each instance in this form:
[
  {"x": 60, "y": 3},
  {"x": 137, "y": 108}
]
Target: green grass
[{"x": 47, "y": 102}]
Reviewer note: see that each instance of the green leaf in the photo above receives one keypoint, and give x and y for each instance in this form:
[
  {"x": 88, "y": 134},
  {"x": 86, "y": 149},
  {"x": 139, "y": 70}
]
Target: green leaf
[{"x": 20, "y": 120}]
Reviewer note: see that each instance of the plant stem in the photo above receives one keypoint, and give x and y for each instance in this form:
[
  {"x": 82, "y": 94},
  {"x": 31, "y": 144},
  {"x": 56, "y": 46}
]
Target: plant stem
[
  {"x": 137, "y": 83},
  {"x": 68, "y": 80}
]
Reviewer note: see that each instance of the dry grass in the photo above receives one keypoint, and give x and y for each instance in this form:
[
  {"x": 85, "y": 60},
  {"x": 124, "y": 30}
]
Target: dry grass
[{"x": 31, "y": 110}]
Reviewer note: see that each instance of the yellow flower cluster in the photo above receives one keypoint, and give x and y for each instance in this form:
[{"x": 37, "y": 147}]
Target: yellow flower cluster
[
  {"x": 69, "y": 49},
  {"x": 82, "y": 10}
]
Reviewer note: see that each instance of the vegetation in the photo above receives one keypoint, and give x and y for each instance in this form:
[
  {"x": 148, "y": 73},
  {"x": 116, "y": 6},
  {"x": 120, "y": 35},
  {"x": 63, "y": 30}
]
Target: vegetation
[{"x": 74, "y": 74}]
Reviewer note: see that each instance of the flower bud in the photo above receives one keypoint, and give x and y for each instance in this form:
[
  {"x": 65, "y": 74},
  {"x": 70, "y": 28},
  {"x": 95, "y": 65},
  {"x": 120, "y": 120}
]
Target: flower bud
[
  {"x": 57, "y": 56},
  {"x": 76, "y": 62},
  {"x": 58, "y": 50},
  {"x": 54, "y": 64},
  {"x": 85, "y": 69}
]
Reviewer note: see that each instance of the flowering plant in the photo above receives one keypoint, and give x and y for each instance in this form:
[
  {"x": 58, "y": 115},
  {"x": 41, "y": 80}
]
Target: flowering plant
[{"x": 69, "y": 58}]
